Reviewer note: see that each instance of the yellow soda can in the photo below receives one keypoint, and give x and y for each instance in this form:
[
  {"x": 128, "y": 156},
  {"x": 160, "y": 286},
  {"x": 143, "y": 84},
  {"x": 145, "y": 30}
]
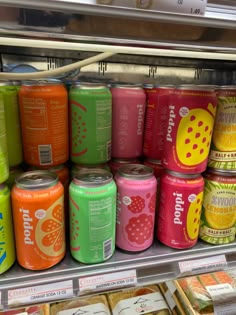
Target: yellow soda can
[{"x": 7, "y": 245}]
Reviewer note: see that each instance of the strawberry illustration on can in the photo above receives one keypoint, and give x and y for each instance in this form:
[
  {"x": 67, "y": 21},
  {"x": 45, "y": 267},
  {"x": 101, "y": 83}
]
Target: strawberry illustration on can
[
  {"x": 189, "y": 128},
  {"x": 136, "y": 203}
]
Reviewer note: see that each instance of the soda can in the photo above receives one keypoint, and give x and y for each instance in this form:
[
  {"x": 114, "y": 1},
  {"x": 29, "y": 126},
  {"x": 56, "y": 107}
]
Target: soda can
[
  {"x": 92, "y": 196},
  {"x": 156, "y": 165},
  {"x": 128, "y": 113},
  {"x": 12, "y": 120},
  {"x": 115, "y": 164},
  {"x": 189, "y": 127},
  {"x": 219, "y": 207},
  {"x": 158, "y": 99},
  {"x": 223, "y": 146},
  {"x": 80, "y": 167},
  {"x": 90, "y": 123},
  {"x": 38, "y": 215},
  {"x": 178, "y": 219},
  {"x": 4, "y": 165},
  {"x": 7, "y": 248},
  {"x": 136, "y": 205},
  {"x": 44, "y": 120},
  {"x": 13, "y": 174}
]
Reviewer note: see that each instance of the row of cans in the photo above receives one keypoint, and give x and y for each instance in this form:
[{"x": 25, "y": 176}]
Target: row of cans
[
  {"x": 104, "y": 213},
  {"x": 174, "y": 124}
]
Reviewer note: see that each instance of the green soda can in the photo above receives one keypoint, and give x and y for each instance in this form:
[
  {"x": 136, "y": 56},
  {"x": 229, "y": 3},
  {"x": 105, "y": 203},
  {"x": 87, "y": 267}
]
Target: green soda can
[
  {"x": 90, "y": 123},
  {"x": 13, "y": 128},
  {"x": 7, "y": 246},
  {"x": 4, "y": 166},
  {"x": 92, "y": 196}
]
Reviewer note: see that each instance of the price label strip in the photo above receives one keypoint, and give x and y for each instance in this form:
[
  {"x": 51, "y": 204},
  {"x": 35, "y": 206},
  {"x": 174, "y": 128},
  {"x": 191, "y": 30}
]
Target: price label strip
[
  {"x": 191, "y": 267},
  {"x": 195, "y": 7},
  {"x": 108, "y": 281},
  {"x": 41, "y": 293}
]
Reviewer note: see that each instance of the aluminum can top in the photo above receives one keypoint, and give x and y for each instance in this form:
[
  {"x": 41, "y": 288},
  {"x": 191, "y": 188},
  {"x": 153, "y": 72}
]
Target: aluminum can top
[
  {"x": 92, "y": 178},
  {"x": 36, "y": 180},
  {"x": 135, "y": 171}
]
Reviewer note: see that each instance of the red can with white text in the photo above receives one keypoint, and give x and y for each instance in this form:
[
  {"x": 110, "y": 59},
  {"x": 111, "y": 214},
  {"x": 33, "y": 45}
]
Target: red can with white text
[
  {"x": 136, "y": 203},
  {"x": 156, "y": 113},
  {"x": 115, "y": 164},
  {"x": 128, "y": 112},
  {"x": 178, "y": 219},
  {"x": 189, "y": 127}
]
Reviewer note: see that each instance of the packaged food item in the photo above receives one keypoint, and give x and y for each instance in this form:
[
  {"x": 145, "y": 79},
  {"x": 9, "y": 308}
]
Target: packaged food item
[
  {"x": 38, "y": 215},
  {"x": 128, "y": 113},
  {"x": 44, "y": 120},
  {"x": 136, "y": 205},
  {"x": 223, "y": 146},
  {"x": 178, "y": 219},
  {"x": 115, "y": 164},
  {"x": 7, "y": 244},
  {"x": 189, "y": 128},
  {"x": 91, "y": 305},
  {"x": 12, "y": 120},
  {"x": 218, "y": 217},
  {"x": 144, "y": 300},
  {"x": 92, "y": 196},
  {"x": 90, "y": 123},
  {"x": 156, "y": 113},
  {"x": 41, "y": 309},
  {"x": 4, "y": 164}
]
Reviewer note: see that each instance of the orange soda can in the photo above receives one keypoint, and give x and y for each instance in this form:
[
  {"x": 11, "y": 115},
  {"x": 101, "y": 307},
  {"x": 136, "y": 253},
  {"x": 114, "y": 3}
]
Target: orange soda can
[
  {"x": 38, "y": 216},
  {"x": 44, "y": 120}
]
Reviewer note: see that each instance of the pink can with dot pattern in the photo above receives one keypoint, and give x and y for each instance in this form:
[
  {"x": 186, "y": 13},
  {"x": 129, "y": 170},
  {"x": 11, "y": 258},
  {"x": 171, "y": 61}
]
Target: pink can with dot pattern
[
  {"x": 189, "y": 127},
  {"x": 136, "y": 207}
]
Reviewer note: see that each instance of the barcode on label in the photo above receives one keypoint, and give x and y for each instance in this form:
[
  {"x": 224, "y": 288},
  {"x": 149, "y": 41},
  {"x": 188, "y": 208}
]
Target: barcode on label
[
  {"x": 45, "y": 154},
  {"x": 109, "y": 150},
  {"x": 107, "y": 248}
]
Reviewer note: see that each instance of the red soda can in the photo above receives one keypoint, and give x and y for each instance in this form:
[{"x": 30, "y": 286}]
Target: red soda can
[
  {"x": 179, "y": 213},
  {"x": 136, "y": 203},
  {"x": 156, "y": 165},
  {"x": 115, "y": 164},
  {"x": 189, "y": 127},
  {"x": 128, "y": 112},
  {"x": 156, "y": 113}
]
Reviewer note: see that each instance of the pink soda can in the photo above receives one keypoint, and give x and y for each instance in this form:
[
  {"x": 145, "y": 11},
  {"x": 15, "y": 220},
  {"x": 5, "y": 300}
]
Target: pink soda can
[
  {"x": 136, "y": 203},
  {"x": 128, "y": 113},
  {"x": 178, "y": 218},
  {"x": 158, "y": 99},
  {"x": 115, "y": 164},
  {"x": 189, "y": 127}
]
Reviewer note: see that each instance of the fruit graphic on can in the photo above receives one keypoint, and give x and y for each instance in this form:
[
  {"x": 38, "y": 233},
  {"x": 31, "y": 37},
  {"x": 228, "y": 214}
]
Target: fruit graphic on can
[
  {"x": 156, "y": 114},
  {"x": 4, "y": 166},
  {"x": 178, "y": 219},
  {"x": 7, "y": 246},
  {"x": 136, "y": 203},
  {"x": 12, "y": 118},
  {"x": 90, "y": 123},
  {"x": 189, "y": 128},
  {"x": 44, "y": 120},
  {"x": 223, "y": 146},
  {"x": 219, "y": 207},
  {"x": 115, "y": 164},
  {"x": 38, "y": 215},
  {"x": 92, "y": 196},
  {"x": 128, "y": 112}
]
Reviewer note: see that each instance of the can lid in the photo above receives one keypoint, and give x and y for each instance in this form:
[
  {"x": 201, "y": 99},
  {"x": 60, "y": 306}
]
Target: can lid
[
  {"x": 226, "y": 87},
  {"x": 195, "y": 87},
  {"x": 223, "y": 172},
  {"x": 92, "y": 178},
  {"x": 182, "y": 175},
  {"x": 36, "y": 180},
  {"x": 88, "y": 85},
  {"x": 41, "y": 82},
  {"x": 5, "y": 83},
  {"x": 127, "y": 86},
  {"x": 153, "y": 161},
  {"x": 124, "y": 161},
  {"x": 148, "y": 85},
  {"x": 135, "y": 171}
]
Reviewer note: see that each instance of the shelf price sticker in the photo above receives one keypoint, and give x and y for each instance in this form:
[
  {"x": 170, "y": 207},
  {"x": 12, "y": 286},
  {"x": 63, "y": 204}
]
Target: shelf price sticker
[
  {"x": 108, "y": 281},
  {"x": 224, "y": 298},
  {"x": 41, "y": 293},
  {"x": 202, "y": 265},
  {"x": 194, "y": 7}
]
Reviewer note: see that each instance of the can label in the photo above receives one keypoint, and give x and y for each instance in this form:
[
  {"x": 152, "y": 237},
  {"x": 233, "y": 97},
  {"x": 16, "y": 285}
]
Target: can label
[
  {"x": 219, "y": 211},
  {"x": 90, "y": 125},
  {"x": 4, "y": 166},
  {"x": 179, "y": 211},
  {"x": 92, "y": 222},
  {"x": 189, "y": 130},
  {"x": 39, "y": 226},
  {"x": 223, "y": 148}
]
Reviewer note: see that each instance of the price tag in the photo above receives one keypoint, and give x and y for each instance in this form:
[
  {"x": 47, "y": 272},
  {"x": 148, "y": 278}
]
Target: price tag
[
  {"x": 202, "y": 265},
  {"x": 41, "y": 293},
  {"x": 108, "y": 281}
]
